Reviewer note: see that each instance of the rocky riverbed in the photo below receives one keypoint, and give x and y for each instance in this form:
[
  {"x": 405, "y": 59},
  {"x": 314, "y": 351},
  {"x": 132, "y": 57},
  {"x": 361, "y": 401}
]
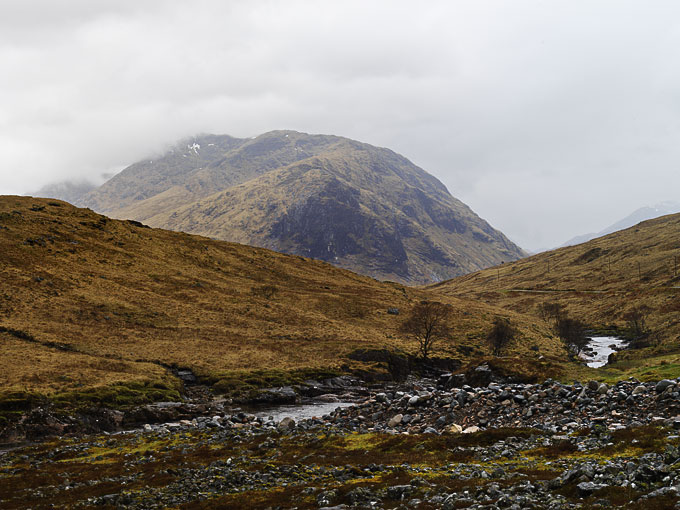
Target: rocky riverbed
[{"x": 422, "y": 444}]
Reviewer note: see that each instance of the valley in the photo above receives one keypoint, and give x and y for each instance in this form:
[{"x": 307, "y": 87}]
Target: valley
[{"x": 138, "y": 361}]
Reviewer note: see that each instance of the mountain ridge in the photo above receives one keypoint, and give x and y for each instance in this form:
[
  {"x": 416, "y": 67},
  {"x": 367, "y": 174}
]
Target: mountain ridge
[{"x": 639, "y": 215}]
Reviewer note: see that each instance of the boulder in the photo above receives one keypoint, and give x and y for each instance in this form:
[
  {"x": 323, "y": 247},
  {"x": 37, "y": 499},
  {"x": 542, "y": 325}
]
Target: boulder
[
  {"x": 286, "y": 424},
  {"x": 663, "y": 384},
  {"x": 395, "y": 420}
]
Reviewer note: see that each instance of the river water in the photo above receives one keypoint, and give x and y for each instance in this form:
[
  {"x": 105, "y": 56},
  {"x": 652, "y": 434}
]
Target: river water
[
  {"x": 301, "y": 412},
  {"x": 602, "y": 347}
]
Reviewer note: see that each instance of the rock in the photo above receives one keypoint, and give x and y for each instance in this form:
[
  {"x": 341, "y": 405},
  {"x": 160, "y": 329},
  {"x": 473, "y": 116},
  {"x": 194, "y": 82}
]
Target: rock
[
  {"x": 471, "y": 430},
  {"x": 479, "y": 376},
  {"x": 395, "y": 420},
  {"x": 519, "y": 399},
  {"x": 639, "y": 390},
  {"x": 382, "y": 398},
  {"x": 602, "y": 389},
  {"x": 326, "y": 498},
  {"x": 186, "y": 375},
  {"x": 286, "y": 424},
  {"x": 275, "y": 396},
  {"x": 663, "y": 384},
  {"x": 593, "y": 385},
  {"x": 399, "y": 492},
  {"x": 393, "y": 311},
  {"x": 663, "y": 491},
  {"x": 413, "y": 401},
  {"x": 455, "y": 429},
  {"x": 585, "y": 489}
]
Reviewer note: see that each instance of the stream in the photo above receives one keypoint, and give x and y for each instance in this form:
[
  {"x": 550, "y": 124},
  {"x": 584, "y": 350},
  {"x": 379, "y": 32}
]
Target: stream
[
  {"x": 300, "y": 411},
  {"x": 602, "y": 347}
]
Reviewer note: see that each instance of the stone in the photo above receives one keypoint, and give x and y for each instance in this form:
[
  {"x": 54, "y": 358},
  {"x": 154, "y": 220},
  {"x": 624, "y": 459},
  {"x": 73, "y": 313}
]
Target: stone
[
  {"x": 399, "y": 492},
  {"x": 287, "y": 423},
  {"x": 639, "y": 390},
  {"x": 395, "y": 420},
  {"x": 471, "y": 430},
  {"x": 382, "y": 397},
  {"x": 663, "y": 384},
  {"x": 455, "y": 429}
]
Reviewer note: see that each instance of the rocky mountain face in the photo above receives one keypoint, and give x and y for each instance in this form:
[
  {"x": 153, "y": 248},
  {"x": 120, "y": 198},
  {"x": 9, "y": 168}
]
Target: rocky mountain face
[{"x": 354, "y": 205}]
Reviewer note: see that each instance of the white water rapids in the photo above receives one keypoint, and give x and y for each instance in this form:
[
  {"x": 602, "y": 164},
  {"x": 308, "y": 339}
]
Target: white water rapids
[{"x": 602, "y": 347}]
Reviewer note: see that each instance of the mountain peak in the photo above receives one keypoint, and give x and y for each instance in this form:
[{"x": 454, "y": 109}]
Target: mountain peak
[{"x": 349, "y": 203}]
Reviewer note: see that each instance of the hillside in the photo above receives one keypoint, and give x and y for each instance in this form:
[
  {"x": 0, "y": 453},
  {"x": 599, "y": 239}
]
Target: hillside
[
  {"x": 356, "y": 206},
  {"x": 86, "y": 301},
  {"x": 598, "y": 281}
]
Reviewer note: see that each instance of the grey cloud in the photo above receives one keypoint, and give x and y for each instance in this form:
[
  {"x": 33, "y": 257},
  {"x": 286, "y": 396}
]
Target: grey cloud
[{"x": 550, "y": 119}]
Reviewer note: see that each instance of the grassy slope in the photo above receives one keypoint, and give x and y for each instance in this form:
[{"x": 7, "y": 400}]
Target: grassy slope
[
  {"x": 126, "y": 298},
  {"x": 598, "y": 281}
]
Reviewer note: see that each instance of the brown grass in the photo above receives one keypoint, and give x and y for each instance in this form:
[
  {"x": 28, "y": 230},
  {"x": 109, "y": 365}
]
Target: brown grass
[
  {"x": 597, "y": 282},
  {"x": 126, "y": 298}
]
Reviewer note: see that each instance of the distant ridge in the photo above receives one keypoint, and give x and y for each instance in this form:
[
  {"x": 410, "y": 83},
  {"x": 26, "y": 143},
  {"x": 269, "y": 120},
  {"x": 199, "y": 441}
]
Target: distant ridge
[
  {"x": 641, "y": 214},
  {"x": 354, "y": 205}
]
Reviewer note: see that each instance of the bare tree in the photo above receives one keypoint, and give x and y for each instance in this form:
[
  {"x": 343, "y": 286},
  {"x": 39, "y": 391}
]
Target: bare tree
[
  {"x": 500, "y": 335},
  {"x": 640, "y": 333},
  {"x": 427, "y": 323},
  {"x": 573, "y": 334},
  {"x": 636, "y": 320},
  {"x": 551, "y": 312}
]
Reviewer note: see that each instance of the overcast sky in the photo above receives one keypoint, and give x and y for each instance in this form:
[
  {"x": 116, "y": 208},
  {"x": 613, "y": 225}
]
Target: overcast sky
[{"x": 549, "y": 118}]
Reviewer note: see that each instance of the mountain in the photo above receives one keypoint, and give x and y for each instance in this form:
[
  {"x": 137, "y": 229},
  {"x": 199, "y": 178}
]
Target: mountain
[
  {"x": 88, "y": 302},
  {"x": 641, "y": 214},
  {"x": 357, "y": 206},
  {"x": 598, "y": 282}
]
